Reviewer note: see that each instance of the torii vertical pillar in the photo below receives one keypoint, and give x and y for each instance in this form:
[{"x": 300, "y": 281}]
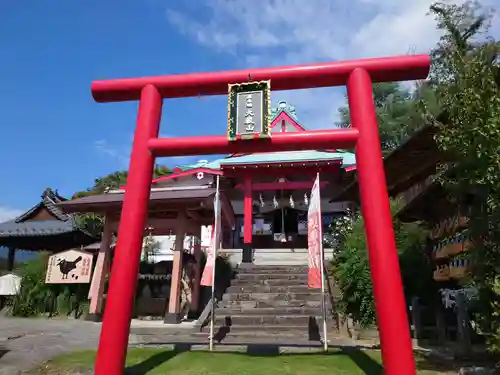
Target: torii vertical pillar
[
  {"x": 123, "y": 282},
  {"x": 390, "y": 305}
]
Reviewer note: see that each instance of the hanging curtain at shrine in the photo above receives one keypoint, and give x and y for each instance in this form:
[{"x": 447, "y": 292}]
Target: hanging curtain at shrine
[
  {"x": 207, "y": 279},
  {"x": 314, "y": 239}
]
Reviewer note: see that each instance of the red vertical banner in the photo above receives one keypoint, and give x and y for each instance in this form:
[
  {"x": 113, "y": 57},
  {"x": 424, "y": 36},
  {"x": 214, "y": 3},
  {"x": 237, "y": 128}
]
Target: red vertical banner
[
  {"x": 314, "y": 239},
  {"x": 207, "y": 279}
]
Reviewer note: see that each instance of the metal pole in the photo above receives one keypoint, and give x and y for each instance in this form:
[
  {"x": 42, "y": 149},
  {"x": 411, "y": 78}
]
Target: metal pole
[{"x": 214, "y": 256}]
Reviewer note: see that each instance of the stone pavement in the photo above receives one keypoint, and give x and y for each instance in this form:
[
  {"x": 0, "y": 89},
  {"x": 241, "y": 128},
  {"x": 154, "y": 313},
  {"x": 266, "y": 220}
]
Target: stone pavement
[{"x": 25, "y": 343}]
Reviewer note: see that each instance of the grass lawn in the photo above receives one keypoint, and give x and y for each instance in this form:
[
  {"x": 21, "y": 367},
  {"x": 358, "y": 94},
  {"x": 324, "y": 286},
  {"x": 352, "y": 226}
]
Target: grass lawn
[{"x": 155, "y": 361}]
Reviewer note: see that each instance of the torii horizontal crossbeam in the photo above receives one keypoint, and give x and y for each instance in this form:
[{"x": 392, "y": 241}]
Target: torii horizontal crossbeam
[
  {"x": 213, "y": 145},
  {"x": 384, "y": 69}
]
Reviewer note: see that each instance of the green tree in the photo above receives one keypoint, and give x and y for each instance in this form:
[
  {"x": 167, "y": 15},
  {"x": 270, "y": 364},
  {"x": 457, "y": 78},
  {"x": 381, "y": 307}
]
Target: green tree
[
  {"x": 94, "y": 222},
  {"x": 398, "y": 111},
  {"x": 351, "y": 270},
  {"x": 116, "y": 180},
  {"x": 465, "y": 75}
]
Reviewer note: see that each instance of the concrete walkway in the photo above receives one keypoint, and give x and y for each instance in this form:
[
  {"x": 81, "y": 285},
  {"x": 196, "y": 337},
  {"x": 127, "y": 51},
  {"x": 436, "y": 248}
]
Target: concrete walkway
[{"x": 25, "y": 343}]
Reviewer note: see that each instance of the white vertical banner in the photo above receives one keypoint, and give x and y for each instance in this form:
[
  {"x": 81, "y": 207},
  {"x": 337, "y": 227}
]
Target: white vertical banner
[
  {"x": 208, "y": 277},
  {"x": 316, "y": 272}
]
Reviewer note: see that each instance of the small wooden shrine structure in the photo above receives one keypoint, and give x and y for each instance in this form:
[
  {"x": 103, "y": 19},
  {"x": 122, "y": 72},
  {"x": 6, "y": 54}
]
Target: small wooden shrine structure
[{"x": 44, "y": 227}]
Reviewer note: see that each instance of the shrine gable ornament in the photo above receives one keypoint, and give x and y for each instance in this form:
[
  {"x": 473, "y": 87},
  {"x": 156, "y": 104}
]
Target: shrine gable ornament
[{"x": 249, "y": 110}]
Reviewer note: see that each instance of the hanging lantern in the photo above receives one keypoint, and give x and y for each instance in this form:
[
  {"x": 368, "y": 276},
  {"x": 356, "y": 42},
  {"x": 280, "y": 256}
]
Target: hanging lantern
[
  {"x": 262, "y": 204},
  {"x": 292, "y": 203},
  {"x": 275, "y": 202},
  {"x": 306, "y": 199}
]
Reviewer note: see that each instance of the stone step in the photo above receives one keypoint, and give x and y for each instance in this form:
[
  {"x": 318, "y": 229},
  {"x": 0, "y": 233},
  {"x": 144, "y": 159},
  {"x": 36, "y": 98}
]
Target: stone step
[
  {"x": 200, "y": 340},
  {"x": 270, "y": 282},
  {"x": 263, "y": 311},
  {"x": 269, "y": 304},
  {"x": 268, "y": 297},
  {"x": 268, "y": 320},
  {"x": 260, "y": 331},
  {"x": 252, "y": 277},
  {"x": 268, "y": 289},
  {"x": 272, "y": 269}
]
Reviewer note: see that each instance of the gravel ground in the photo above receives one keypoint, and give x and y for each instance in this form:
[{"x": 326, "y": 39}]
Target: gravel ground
[{"x": 25, "y": 343}]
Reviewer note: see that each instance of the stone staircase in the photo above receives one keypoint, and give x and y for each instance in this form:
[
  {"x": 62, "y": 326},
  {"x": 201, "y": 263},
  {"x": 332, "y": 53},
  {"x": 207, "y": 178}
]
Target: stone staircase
[{"x": 266, "y": 302}]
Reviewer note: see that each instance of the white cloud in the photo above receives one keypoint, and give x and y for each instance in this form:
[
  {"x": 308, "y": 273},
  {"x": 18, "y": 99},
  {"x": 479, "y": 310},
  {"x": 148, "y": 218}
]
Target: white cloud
[
  {"x": 283, "y": 32},
  {"x": 9, "y": 213},
  {"x": 121, "y": 154}
]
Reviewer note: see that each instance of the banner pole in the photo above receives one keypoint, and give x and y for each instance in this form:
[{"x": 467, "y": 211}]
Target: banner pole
[
  {"x": 214, "y": 256},
  {"x": 322, "y": 265}
]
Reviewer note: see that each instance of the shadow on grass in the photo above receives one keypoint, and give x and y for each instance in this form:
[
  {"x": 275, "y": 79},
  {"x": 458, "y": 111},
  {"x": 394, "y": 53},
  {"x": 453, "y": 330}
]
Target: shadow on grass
[
  {"x": 156, "y": 360},
  {"x": 365, "y": 363}
]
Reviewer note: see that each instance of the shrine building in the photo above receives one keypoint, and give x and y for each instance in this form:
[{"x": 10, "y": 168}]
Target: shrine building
[
  {"x": 269, "y": 190},
  {"x": 264, "y": 201}
]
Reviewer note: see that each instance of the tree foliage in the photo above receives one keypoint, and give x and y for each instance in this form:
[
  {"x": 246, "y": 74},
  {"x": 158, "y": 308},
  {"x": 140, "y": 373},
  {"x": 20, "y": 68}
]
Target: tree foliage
[
  {"x": 93, "y": 223},
  {"x": 398, "y": 111},
  {"x": 351, "y": 270},
  {"x": 36, "y": 297},
  {"x": 116, "y": 180},
  {"x": 465, "y": 75}
]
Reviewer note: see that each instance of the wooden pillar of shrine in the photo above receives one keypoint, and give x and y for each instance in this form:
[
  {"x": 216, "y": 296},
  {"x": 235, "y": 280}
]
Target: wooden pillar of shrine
[
  {"x": 173, "y": 314},
  {"x": 101, "y": 269},
  {"x": 11, "y": 259},
  {"x": 247, "y": 256}
]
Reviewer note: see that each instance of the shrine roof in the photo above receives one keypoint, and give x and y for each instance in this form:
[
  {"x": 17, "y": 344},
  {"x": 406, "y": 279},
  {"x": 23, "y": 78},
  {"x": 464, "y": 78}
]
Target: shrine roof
[
  {"x": 291, "y": 157},
  {"x": 49, "y": 201},
  {"x": 112, "y": 201},
  {"x": 56, "y": 230},
  {"x": 347, "y": 159},
  {"x": 413, "y": 161},
  {"x": 35, "y": 228}
]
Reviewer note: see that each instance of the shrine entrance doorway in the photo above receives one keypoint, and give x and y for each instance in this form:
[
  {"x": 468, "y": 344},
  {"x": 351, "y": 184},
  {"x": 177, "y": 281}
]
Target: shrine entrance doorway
[{"x": 396, "y": 344}]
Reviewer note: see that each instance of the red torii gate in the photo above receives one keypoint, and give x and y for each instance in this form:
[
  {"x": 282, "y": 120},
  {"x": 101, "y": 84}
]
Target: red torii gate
[{"x": 358, "y": 75}]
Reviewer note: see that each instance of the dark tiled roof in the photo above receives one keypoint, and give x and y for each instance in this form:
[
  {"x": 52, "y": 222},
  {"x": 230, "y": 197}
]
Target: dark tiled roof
[
  {"x": 36, "y": 228},
  {"x": 53, "y": 235},
  {"x": 60, "y": 233}
]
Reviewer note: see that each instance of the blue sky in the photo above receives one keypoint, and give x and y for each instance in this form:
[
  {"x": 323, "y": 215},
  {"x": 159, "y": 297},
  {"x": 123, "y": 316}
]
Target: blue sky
[{"x": 55, "y": 135}]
